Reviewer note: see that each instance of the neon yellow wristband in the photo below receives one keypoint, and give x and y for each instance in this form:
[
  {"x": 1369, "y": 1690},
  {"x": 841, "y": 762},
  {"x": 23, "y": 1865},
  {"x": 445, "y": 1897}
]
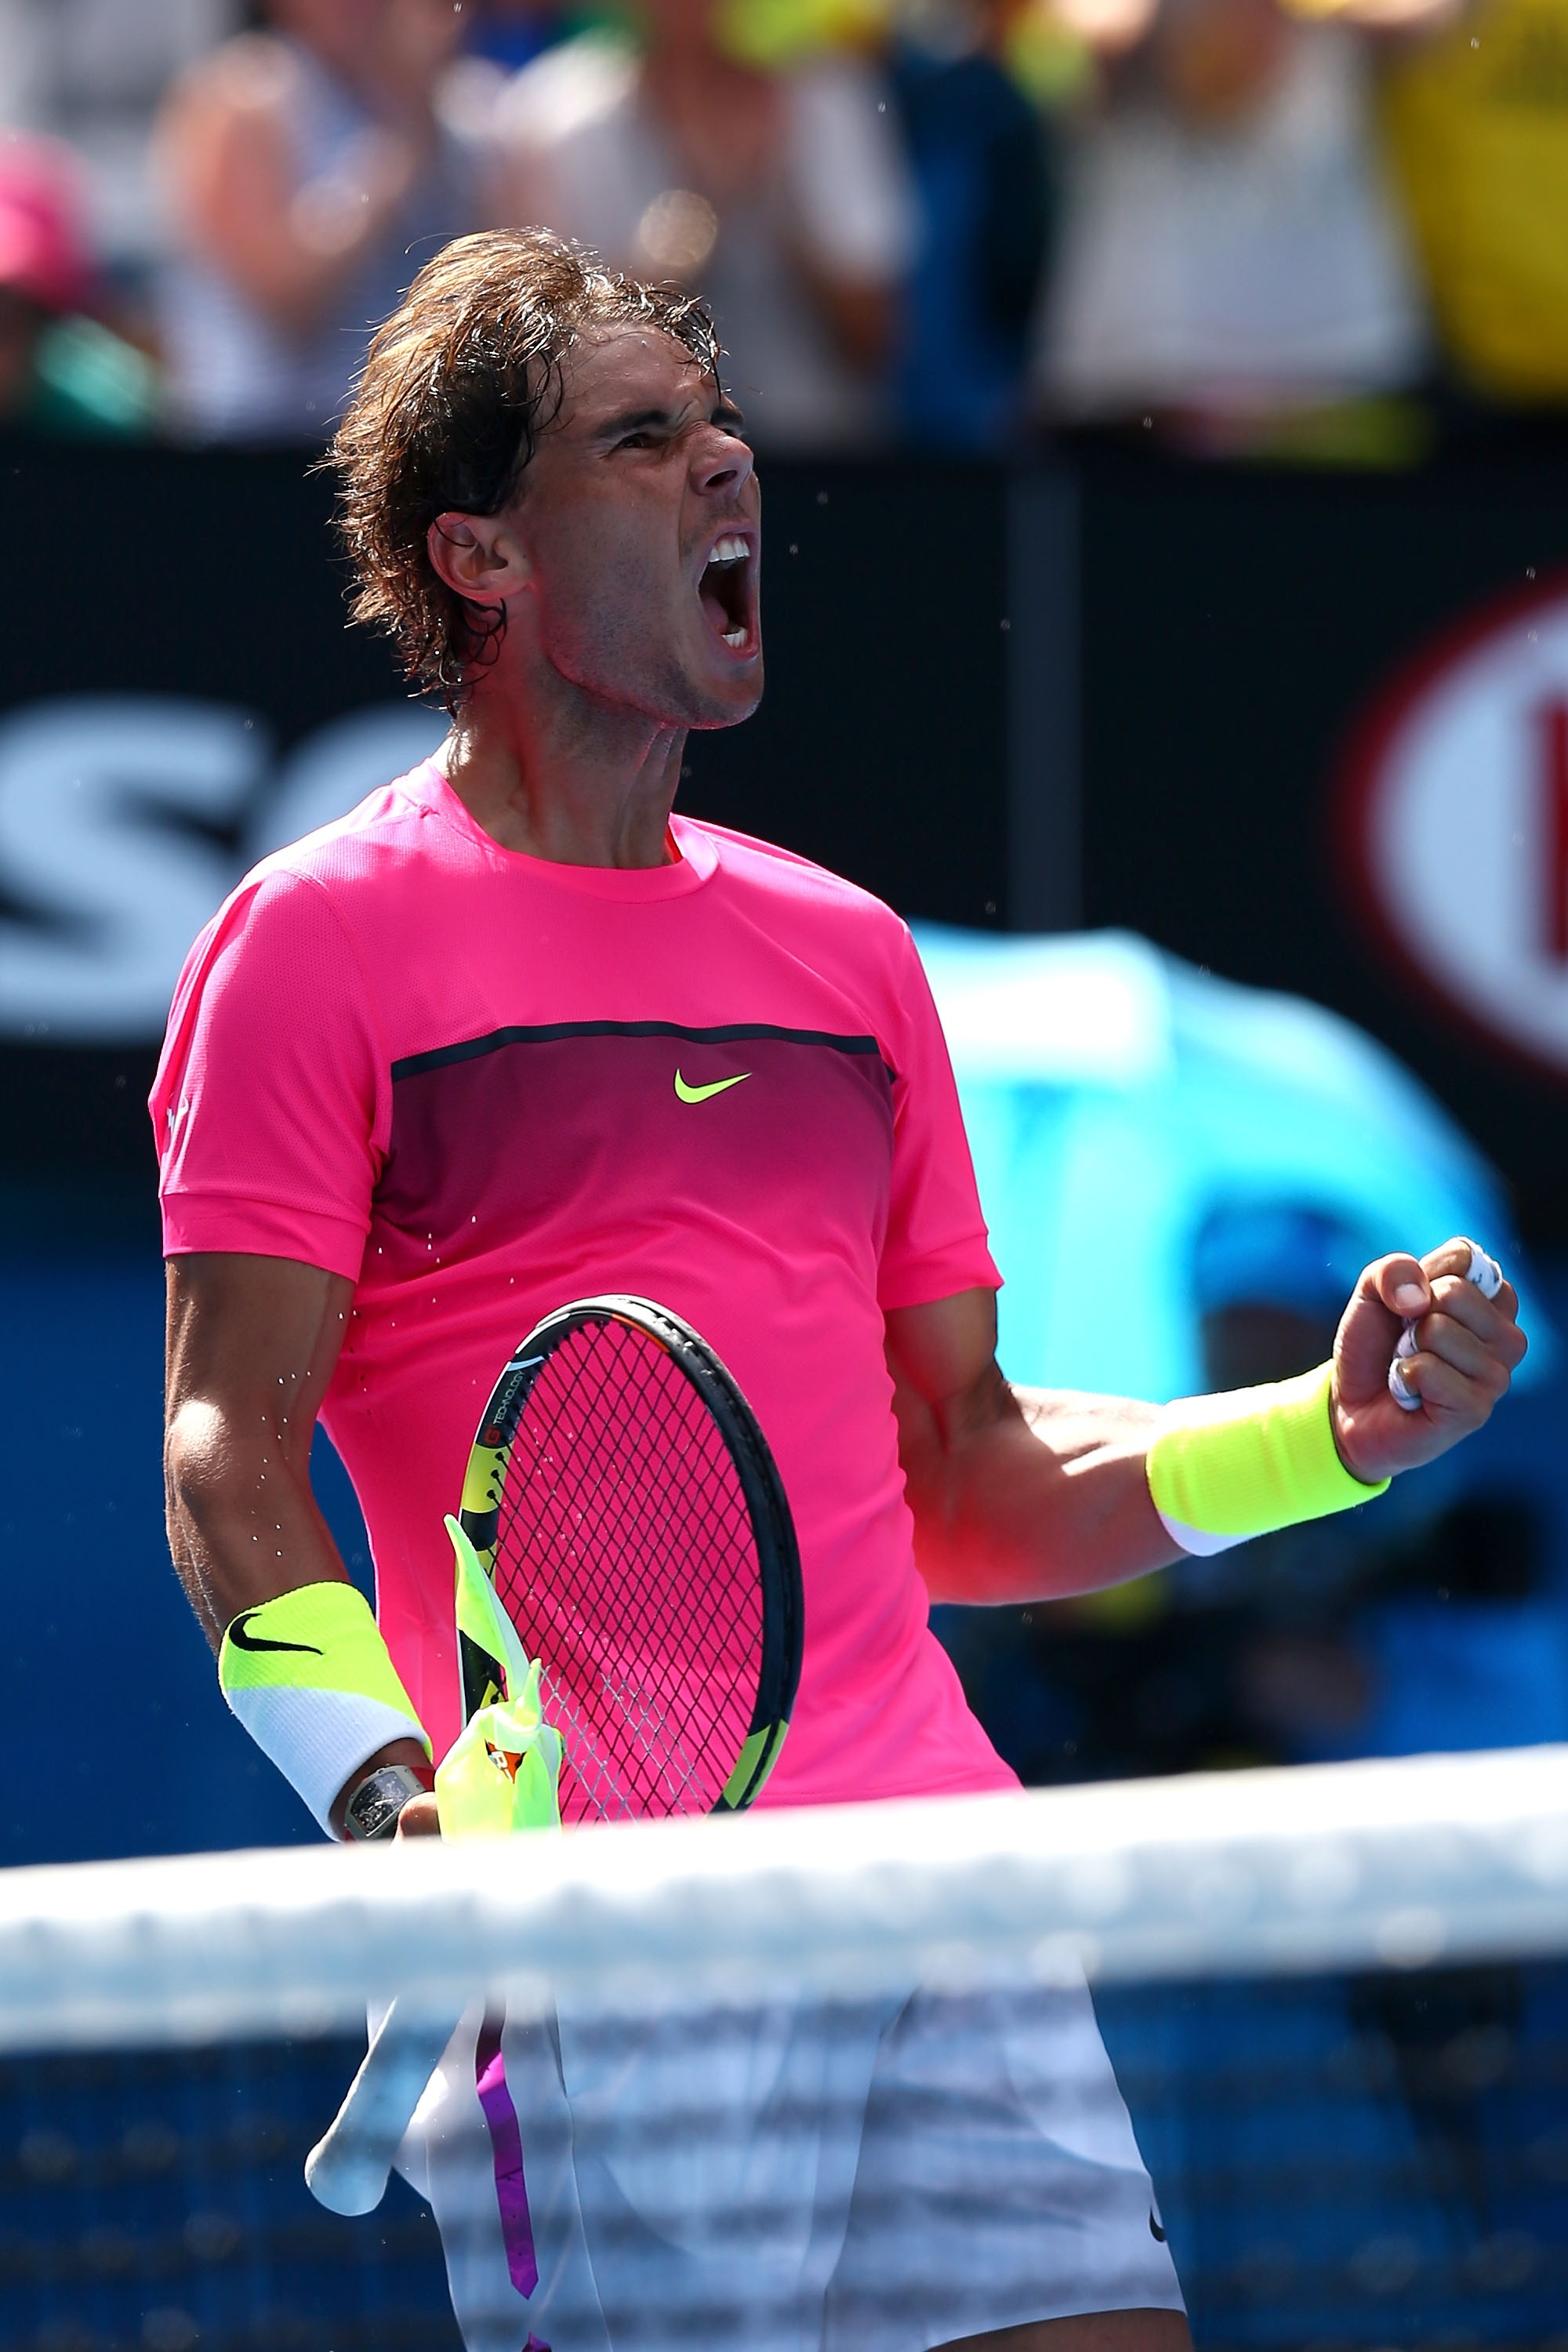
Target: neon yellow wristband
[
  {"x": 1223, "y": 1469},
  {"x": 313, "y": 1683}
]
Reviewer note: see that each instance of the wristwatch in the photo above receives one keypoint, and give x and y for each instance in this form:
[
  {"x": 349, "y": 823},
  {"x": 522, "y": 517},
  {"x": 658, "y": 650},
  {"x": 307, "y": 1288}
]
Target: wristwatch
[{"x": 376, "y": 1801}]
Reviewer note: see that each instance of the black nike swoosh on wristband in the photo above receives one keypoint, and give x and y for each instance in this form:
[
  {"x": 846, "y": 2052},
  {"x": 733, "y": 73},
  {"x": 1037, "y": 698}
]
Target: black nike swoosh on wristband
[{"x": 245, "y": 1640}]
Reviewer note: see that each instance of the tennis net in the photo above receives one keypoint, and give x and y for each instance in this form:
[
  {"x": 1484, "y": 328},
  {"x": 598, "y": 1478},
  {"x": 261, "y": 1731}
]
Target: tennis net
[{"x": 1336, "y": 1999}]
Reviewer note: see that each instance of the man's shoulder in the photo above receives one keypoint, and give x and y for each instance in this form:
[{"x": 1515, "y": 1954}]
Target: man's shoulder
[
  {"x": 346, "y": 874},
  {"x": 794, "y": 881},
  {"x": 388, "y": 830}
]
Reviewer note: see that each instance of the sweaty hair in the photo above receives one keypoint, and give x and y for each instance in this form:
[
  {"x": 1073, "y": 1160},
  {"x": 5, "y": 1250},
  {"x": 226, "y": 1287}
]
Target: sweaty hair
[{"x": 459, "y": 383}]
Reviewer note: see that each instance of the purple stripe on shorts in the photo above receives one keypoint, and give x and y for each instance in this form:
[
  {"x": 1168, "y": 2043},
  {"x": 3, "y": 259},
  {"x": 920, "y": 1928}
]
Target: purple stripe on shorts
[{"x": 506, "y": 2141}]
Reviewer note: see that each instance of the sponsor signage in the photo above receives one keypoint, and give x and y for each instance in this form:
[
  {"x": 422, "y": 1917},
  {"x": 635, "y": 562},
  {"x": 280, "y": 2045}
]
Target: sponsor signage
[
  {"x": 125, "y": 820},
  {"x": 1457, "y": 816}
]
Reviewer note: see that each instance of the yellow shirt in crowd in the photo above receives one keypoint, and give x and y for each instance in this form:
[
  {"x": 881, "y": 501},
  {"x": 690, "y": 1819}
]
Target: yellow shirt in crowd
[{"x": 1479, "y": 122}]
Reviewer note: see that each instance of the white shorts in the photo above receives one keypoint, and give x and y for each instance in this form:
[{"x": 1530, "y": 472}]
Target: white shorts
[{"x": 868, "y": 2177}]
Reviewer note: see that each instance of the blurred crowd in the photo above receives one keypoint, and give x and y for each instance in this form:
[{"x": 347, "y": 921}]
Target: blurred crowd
[{"x": 1307, "y": 226}]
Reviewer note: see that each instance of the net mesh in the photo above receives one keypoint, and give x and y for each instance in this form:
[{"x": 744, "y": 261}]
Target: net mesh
[
  {"x": 625, "y": 1558},
  {"x": 154, "y": 2199},
  {"x": 1336, "y": 2002}
]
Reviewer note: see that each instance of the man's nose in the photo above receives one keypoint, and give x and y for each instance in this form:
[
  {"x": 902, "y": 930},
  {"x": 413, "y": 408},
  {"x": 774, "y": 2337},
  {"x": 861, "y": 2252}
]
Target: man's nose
[{"x": 720, "y": 461}]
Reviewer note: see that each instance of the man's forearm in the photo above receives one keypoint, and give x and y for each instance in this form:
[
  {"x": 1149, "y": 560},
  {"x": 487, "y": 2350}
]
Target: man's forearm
[
  {"x": 243, "y": 1542},
  {"x": 1037, "y": 1495},
  {"x": 252, "y": 1344},
  {"x": 240, "y": 1529}
]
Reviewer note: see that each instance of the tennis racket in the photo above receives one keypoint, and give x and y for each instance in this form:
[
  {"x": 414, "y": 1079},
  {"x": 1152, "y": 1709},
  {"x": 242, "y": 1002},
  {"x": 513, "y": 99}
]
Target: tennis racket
[
  {"x": 626, "y": 1507},
  {"x": 624, "y": 1503}
]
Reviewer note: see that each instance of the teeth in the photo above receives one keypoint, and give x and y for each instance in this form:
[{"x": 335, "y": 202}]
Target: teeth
[
  {"x": 733, "y": 550},
  {"x": 734, "y": 636}
]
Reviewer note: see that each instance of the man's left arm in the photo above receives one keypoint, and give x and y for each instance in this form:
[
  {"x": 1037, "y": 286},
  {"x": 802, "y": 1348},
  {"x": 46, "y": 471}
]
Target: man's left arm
[{"x": 1025, "y": 1494}]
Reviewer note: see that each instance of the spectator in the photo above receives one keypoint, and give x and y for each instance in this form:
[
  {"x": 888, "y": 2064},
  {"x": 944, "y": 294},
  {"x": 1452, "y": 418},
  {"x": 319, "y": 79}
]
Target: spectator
[
  {"x": 92, "y": 74},
  {"x": 1228, "y": 244},
  {"x": 61, "y": 369},
  {"x": 783, "y": 196},
  {"x": 310, "y": 174},
  {"x": 1479, "y": 117},
  {"x": 978, "y": 150}
]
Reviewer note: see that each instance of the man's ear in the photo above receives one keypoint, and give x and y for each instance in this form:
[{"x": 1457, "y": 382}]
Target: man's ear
[{"x": 477, "y": 556}]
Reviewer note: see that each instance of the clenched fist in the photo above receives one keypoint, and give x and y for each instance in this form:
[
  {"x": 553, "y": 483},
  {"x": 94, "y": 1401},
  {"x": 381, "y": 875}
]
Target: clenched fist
[{"x": 1468, "y": 1346}]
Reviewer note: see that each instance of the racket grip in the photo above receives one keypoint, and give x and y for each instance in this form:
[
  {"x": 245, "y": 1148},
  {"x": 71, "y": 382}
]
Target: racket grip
[
  {"x": 1486, "y": 1275},
  {"x": 347, "y": 2169}
]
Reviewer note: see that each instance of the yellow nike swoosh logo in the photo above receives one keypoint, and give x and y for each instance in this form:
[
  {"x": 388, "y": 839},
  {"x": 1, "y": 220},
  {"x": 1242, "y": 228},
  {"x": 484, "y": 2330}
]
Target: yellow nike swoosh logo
[{"x": 683, "y": 1093}]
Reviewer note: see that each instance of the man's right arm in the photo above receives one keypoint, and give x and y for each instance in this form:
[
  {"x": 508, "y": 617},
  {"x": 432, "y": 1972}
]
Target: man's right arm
[{"x": 252, "y": 1343}]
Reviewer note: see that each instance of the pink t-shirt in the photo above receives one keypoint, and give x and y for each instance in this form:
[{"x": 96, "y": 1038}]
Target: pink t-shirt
[{"x": 447, "y": 1072}]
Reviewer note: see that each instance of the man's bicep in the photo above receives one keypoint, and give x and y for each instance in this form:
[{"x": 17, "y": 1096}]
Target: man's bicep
[
  {"x": 950, "y": 1397},
  {"x": 945, "y": 1351}
]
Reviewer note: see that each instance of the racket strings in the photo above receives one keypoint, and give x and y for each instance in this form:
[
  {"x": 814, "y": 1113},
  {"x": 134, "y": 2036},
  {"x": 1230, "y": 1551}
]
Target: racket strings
[
  {"x": 626, "y": 1556},
  {"x": 681, "y": 1432},
  {"x": 668, "y": 1750}
]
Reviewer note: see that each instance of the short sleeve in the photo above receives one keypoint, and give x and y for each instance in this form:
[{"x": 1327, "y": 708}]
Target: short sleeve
[
  {"x": 936, "y": 1244},
  {"x": 272, "y": 1104},
  {"x": 853, "y": 196}
]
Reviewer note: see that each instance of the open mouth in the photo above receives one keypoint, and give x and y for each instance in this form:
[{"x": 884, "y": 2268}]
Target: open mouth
[{"x": 725, "y": 590}]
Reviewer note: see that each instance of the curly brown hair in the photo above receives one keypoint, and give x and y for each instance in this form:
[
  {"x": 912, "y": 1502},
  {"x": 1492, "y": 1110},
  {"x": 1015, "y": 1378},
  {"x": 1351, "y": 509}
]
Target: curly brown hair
[{"x": 459, "y": 383}]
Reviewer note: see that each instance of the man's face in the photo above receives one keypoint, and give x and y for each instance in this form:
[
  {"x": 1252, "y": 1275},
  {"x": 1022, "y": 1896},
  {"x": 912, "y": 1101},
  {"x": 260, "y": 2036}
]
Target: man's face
[{"x": 640, "y": 520}]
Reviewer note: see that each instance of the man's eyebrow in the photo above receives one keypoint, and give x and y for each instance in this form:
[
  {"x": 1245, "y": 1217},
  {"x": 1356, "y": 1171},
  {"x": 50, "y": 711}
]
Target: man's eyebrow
[
  {"x": 641, "y": 420},
  {"x": 633, "y": 421}
]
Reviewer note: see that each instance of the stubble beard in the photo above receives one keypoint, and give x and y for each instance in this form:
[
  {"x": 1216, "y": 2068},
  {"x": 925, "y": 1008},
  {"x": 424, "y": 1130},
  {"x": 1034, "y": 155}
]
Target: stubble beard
[{"x": 613, "y": 665}]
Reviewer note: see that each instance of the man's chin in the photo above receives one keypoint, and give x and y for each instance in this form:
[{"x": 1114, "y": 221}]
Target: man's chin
[
  {"x": 709, "y": 704},
  {"x": 733, "y": 709}
]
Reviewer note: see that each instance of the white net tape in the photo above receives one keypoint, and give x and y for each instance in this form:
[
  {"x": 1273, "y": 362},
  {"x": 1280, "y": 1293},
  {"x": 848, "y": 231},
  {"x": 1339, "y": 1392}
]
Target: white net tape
[{"x": 1402, "y": 1864}]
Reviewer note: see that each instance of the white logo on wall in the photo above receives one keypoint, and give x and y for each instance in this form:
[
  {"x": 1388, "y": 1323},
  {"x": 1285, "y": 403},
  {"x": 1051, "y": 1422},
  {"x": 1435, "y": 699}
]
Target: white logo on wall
[
  {"x": 1458, "y": 809},
  {"x": 125, "y": 820}
]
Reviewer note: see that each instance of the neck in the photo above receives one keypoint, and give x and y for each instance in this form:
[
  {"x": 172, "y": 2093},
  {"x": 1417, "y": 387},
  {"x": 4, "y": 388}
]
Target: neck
[{"x": 579, "y": 783}]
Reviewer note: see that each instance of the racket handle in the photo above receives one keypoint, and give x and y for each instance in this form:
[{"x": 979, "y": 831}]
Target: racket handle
[
  {"x": 1486, "y": 1275},
  {"x": 347, "y": 2169}
]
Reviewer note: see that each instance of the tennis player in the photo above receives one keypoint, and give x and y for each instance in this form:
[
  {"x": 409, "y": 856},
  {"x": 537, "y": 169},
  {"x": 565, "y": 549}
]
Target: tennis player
[{"x": 512, "y": 1032}]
